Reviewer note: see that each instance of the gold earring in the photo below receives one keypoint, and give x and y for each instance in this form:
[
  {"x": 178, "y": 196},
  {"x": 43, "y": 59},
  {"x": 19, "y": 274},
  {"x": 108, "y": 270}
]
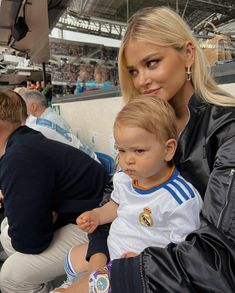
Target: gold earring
[{"x": 188, "y": 73}]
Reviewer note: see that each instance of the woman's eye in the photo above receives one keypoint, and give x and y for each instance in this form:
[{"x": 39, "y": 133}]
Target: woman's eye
[
  {"x": 133, "y": 72},
  {"x": 152, "y": 63}
]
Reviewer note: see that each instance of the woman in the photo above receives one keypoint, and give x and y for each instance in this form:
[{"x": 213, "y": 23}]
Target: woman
[
  {"x": 160, "y": 57},
  {"x": 100, "y": 75}
]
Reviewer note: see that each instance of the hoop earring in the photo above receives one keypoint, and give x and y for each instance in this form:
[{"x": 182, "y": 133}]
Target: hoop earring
[{"x": 188, "y": 73}]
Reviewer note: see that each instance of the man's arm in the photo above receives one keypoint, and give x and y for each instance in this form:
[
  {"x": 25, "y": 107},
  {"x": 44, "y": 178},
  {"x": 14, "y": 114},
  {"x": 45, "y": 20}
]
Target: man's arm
[{"x": 27, "y": 186}]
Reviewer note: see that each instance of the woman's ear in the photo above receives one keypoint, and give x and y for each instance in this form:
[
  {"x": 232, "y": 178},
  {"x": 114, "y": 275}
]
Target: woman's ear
[
  {"x": 170, "y": 148},
  {"x": 190, "y": 53}
]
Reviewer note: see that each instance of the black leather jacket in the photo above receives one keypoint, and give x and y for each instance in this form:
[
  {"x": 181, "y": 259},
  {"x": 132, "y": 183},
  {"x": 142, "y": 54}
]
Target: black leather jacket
[{"x": 205, "y": 261}]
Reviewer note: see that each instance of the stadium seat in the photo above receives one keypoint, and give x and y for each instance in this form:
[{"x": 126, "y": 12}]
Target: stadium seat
[{"x": 107, "y": 161}]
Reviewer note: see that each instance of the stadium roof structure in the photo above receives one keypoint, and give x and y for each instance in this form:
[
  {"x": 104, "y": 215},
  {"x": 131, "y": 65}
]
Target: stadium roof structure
[{"x": 109, "y": 18}]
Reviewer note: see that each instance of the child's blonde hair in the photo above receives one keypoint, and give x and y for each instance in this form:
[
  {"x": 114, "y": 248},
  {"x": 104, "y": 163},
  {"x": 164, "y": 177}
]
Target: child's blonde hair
[{"x": 151, "y": 114}]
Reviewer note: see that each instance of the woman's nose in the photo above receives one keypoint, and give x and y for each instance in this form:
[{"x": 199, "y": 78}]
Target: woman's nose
[{"x": 144, "y": 79}]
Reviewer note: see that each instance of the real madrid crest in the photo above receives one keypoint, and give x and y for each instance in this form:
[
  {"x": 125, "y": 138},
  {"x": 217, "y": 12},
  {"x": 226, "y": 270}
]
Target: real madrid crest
[{"x": 145, "y": 218}]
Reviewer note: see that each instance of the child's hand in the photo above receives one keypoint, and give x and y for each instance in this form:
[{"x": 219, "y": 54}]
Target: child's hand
[
  {"x": 129, "y": 254},
  {"x": 88, "y": 221}
]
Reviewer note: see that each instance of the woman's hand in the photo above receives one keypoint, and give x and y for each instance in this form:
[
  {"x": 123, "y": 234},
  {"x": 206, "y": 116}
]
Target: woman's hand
[{"x": 97, "y": 261}]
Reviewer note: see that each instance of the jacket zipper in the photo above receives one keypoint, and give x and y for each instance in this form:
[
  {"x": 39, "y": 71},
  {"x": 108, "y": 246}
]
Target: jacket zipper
[{"x": 231, "y": 174}]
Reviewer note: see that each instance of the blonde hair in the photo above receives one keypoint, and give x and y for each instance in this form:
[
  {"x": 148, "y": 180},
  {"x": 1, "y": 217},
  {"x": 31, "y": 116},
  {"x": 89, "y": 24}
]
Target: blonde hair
[
  {"x": 86, "y": 69},
  {"x": 102, "y": 72},
  {"x": 163, "y": 27},
  {"x": 12, "y": 107},
  {"x": 153, "y": 115}
]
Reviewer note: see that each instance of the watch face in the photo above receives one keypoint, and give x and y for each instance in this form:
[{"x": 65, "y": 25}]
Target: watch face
[{"x": 102, "y": 284}]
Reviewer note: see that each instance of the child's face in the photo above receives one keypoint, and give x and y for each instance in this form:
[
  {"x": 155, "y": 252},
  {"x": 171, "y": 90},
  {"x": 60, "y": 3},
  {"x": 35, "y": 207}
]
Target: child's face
[{"x": 141, "y": 155}]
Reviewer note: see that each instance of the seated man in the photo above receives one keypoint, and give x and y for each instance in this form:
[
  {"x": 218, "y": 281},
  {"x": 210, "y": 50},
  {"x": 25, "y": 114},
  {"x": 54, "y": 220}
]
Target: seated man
[
  {"x": 40, "y": 178},
  {"x": 37, "y": 106},
  {"x": 46, "y": 122},
  {"x": 55, "y": 132}
]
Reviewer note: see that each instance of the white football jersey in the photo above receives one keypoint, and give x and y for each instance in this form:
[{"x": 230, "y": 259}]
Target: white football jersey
[{"x": 152, "y": 217}]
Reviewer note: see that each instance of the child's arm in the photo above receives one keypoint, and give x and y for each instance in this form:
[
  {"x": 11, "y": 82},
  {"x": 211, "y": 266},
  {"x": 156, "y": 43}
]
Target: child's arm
[{"x": 89, "y": 221}]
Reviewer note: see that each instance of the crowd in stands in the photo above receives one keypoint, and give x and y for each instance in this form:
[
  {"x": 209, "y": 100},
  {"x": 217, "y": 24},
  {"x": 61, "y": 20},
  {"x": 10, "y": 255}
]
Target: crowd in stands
[
  {"x": 66, "y": 73},
  {"x": 89, "y": 81},
  {"x": 82, "y": 50},
  {"x": 69, "y": 59}
]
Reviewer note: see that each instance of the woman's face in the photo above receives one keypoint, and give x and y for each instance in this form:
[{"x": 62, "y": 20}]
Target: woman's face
[
  {"x": 82, "y": 74},
  {"x": 98, "y": 77},
  {"x": 158, "y": 71}
]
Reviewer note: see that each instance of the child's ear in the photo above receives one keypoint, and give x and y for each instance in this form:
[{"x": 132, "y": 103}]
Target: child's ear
[{"x": 170, "y": 148}]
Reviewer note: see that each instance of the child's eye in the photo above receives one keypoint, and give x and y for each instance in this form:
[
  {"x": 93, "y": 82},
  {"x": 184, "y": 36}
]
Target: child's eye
[
  {"x": 140, "y": 151},
  {"x": 121, "y": 151}
]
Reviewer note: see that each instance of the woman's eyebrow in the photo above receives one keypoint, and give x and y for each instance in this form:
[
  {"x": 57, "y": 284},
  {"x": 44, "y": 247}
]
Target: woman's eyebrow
[{"x": 144, "y": 60}]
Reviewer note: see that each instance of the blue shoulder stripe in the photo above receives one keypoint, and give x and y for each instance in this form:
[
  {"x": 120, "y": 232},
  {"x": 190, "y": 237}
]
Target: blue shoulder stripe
[
  {"x": 180, "y": 189},
  {"x": 173, "y": 193},
  {"x": 186, "y": 185}
]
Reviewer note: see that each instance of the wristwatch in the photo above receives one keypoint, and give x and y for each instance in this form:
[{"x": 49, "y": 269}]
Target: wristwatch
[{"x": 99, "y": 281}]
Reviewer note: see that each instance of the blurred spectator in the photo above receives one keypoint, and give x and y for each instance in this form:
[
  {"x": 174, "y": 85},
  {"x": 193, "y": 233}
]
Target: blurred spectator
[
  {"x": 48, "y": 127},
  {"x": 55, "y": 132},
  {"x": 85, "y": 75},
  {"x": 37, "y": 106},
  {"x": 100, "y": 75},
  {"x": 80, "y": 86},
  {"x": 47, "y": 92},
  {"x": 85, "y": 81},
  {"x": 31, "y": 85},
  {"x": 39, "y": 86}
]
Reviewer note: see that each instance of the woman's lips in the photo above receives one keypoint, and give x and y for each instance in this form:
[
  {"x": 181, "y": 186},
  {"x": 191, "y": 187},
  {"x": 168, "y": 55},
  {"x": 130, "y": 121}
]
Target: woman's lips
[{"x": 151, "y": 91}]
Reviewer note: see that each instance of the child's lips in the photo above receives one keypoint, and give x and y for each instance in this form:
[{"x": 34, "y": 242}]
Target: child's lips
[{"x": 129, "y": 171}]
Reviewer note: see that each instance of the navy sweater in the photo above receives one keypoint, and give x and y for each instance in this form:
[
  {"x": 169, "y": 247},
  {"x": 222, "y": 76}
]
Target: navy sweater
[{"x": 39, "y": 176}]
